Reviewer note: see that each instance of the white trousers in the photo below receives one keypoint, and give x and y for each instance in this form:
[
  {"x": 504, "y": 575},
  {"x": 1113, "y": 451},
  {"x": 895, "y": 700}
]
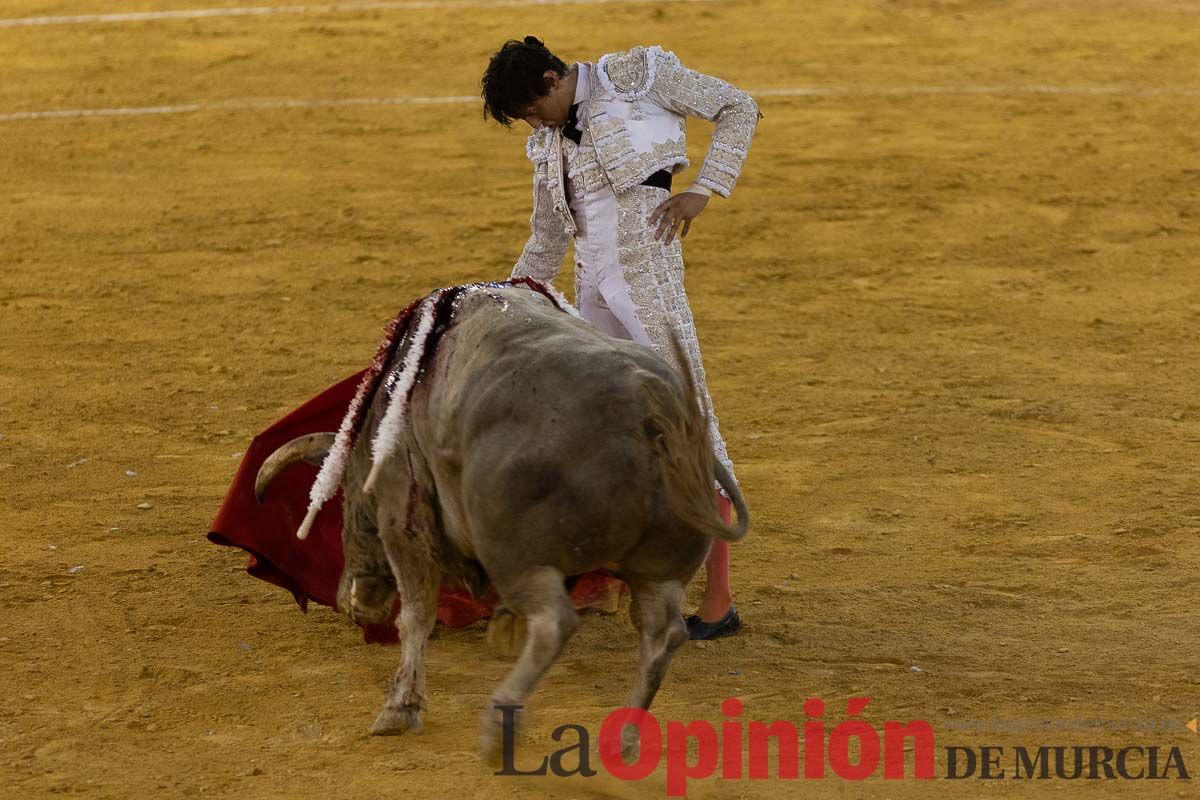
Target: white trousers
[{"x": 630, "y": 285}]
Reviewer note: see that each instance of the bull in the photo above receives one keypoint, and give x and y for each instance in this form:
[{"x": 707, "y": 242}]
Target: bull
[{"x": 533, "y": 447}]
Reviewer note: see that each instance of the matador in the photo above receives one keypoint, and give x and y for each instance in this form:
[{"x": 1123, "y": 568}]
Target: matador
[{"x": 608, "y": 138}]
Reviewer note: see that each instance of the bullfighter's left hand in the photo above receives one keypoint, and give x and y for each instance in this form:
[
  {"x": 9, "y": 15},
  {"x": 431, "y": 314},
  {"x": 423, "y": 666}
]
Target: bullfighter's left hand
[{"x": 678, "y": 210}]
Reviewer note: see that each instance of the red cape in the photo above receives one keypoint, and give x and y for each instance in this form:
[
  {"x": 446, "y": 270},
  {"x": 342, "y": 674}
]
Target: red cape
[{"x": 311, "y": 569}]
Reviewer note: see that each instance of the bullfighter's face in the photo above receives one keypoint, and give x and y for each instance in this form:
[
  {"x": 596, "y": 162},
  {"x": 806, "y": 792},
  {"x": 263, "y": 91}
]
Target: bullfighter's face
[{"x": 551, "y": 110}]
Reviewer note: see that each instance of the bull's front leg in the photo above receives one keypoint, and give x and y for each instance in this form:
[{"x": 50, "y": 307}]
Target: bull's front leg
[
  {"x": 411, "y": 551},
  {"x": 367, "y": 589}
]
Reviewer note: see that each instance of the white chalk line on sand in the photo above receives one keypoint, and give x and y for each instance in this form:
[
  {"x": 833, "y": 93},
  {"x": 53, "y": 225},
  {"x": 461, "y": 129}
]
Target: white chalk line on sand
[
  {"x": 236, "y": 105},
  {"x": 322, "y": 8},
  {"x": 999, "y": 89},
  {"x": 863, "y": 91}
]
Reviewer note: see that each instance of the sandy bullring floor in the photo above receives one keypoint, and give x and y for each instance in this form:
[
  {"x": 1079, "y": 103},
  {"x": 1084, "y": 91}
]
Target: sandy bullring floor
[{"x": 950, "y": 317}]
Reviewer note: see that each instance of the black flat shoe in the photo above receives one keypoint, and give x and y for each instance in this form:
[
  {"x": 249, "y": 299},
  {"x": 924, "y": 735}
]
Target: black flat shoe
[{"x": 727, "y": 625}]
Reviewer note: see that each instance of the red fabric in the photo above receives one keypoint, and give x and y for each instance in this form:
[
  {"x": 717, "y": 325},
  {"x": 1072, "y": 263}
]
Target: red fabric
[{"x": 311, "y": 569}]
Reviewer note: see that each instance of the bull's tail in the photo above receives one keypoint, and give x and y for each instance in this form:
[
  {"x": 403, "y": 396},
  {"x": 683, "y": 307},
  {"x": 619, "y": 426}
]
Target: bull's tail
[
  {"x": 680, "y": 435},
  {"x": 730, "y": 487}
]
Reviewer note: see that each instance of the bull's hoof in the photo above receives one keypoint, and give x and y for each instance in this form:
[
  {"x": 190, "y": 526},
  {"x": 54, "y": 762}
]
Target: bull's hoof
[
  {"x": 631, "y": 744},
  {"x": 506, "y": 633},
  {"x": 396, "y": 721},
  {"x": 490, "y": 750},
  {"x": 492, "y": 732}
]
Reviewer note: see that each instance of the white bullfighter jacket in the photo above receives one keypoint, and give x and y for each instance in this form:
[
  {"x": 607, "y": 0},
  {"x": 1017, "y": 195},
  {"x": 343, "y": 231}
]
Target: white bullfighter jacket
[{"x": 632, "y": 107}]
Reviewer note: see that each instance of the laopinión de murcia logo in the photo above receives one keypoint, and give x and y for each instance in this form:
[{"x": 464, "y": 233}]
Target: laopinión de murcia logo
[{"x": 749, "y": 749}]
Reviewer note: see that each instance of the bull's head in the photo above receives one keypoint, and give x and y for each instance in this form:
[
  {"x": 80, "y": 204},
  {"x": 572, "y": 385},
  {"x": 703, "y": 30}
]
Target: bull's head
[{"x": 367, "y": 589}]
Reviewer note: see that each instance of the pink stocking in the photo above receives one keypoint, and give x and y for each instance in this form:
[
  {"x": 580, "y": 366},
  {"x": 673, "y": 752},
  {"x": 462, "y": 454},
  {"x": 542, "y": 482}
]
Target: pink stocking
[{"x": 717, "y": 595}]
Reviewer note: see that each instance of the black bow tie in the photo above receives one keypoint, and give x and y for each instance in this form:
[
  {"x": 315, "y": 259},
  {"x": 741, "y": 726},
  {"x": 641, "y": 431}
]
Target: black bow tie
[{"x": 569, "y": 130}]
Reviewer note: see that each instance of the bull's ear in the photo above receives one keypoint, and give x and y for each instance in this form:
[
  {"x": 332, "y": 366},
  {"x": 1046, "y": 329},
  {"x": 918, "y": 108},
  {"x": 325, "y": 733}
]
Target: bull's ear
[{"x": 311, "y": 448}]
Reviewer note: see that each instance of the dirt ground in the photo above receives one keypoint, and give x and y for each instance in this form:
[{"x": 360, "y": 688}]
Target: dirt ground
[{"x": 951, "y": 318}]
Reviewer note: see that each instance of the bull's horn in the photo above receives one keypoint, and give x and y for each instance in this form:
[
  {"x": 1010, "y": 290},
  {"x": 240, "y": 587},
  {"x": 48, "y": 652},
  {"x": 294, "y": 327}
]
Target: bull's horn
[{"x": 311, "y": 448}]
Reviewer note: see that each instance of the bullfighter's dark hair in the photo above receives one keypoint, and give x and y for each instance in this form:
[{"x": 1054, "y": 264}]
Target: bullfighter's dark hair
[{"x": 515, "y": 78}]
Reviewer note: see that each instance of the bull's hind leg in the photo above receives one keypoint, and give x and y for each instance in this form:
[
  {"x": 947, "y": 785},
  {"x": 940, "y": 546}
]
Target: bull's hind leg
[
  {"x": 656, "y": 615},
  {"x": 418, "y": 577},
  {"x": 537, "y": 596}
]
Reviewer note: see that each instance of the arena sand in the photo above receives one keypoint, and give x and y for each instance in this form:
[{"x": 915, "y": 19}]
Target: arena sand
[{"x": 950, "y": 320}]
